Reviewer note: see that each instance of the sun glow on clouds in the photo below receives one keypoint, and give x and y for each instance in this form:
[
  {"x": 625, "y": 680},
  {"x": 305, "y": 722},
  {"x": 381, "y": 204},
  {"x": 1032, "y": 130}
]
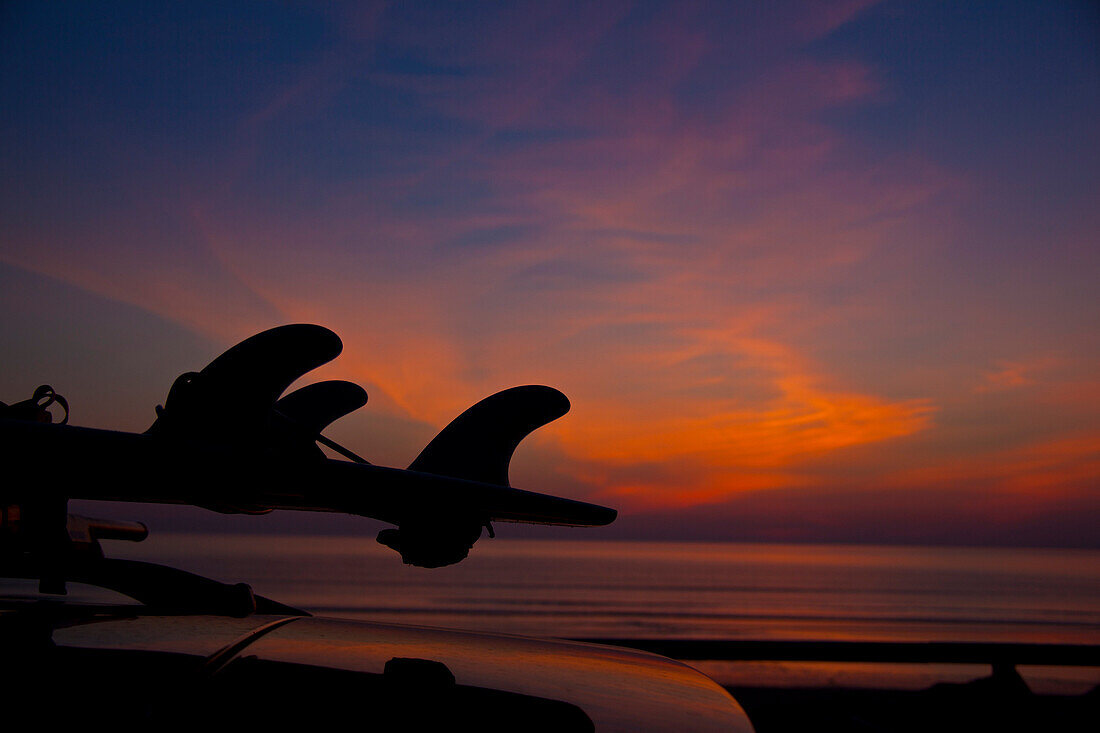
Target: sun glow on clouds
[
  {"x": 1013, "y": 374},
  {"x": 659, "y": 209},
  {"x": 719, "y": 444}
]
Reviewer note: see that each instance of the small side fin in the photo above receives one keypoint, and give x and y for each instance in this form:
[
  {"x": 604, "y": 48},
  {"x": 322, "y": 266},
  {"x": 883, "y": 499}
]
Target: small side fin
[
  {"x": 315, "y": 406},
  {"x": 478, "y": 444},
  {"x": 299, "y": 417}
]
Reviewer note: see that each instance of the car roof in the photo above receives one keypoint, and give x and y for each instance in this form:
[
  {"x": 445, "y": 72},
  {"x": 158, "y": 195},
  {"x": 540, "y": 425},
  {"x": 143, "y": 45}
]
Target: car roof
[{"x": 618, "y": 689}]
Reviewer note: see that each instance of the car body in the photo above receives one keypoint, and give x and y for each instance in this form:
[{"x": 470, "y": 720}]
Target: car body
[{"x": 86, "y": 664}]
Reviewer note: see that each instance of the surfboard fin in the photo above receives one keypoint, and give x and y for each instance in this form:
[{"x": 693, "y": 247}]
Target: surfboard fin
[
  {"x": 233, "y": 395},
  {"x": 478, "y": 444},
  {"x": 300, "y": 416},
  {"x": 316, "y": 406},
  {"x": 230, "y": 402}
]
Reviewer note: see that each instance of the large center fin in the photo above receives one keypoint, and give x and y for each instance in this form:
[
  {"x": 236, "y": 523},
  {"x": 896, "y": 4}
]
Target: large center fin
[{"x": 478, "y": 444}]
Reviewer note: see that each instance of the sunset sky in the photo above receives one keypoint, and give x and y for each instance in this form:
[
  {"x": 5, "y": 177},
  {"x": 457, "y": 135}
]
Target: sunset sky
[{"x": 807, "y": 271}]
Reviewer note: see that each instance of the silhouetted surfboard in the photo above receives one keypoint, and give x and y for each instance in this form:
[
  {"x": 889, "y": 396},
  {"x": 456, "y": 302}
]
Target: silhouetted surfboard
[
  {"x": 227, "y": 442},
  {"x": 147, "y": 468}
]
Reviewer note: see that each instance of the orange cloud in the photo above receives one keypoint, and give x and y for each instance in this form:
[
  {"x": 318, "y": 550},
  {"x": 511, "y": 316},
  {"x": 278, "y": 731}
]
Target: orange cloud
[
  {"x": 1013, "y": 374},
  {"x": 718, "y": 447},
  {"x": 1043, "y": 470}
]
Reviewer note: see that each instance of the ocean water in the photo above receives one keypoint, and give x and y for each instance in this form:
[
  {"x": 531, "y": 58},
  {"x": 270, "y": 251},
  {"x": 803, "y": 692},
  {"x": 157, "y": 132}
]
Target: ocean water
[
  {"x": 670, "y": 589},
  {"x": 677, "y": 590}
]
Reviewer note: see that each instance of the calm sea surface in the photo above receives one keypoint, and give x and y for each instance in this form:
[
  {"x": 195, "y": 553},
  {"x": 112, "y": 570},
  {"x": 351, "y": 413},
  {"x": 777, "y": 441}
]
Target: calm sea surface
[{"x": 664, "y": 589}]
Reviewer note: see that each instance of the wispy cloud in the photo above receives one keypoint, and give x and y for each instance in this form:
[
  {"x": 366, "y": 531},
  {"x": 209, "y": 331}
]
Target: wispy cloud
[
  {"x": 707, "y": 223},
  {"x": 1013, "y": 374}
]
